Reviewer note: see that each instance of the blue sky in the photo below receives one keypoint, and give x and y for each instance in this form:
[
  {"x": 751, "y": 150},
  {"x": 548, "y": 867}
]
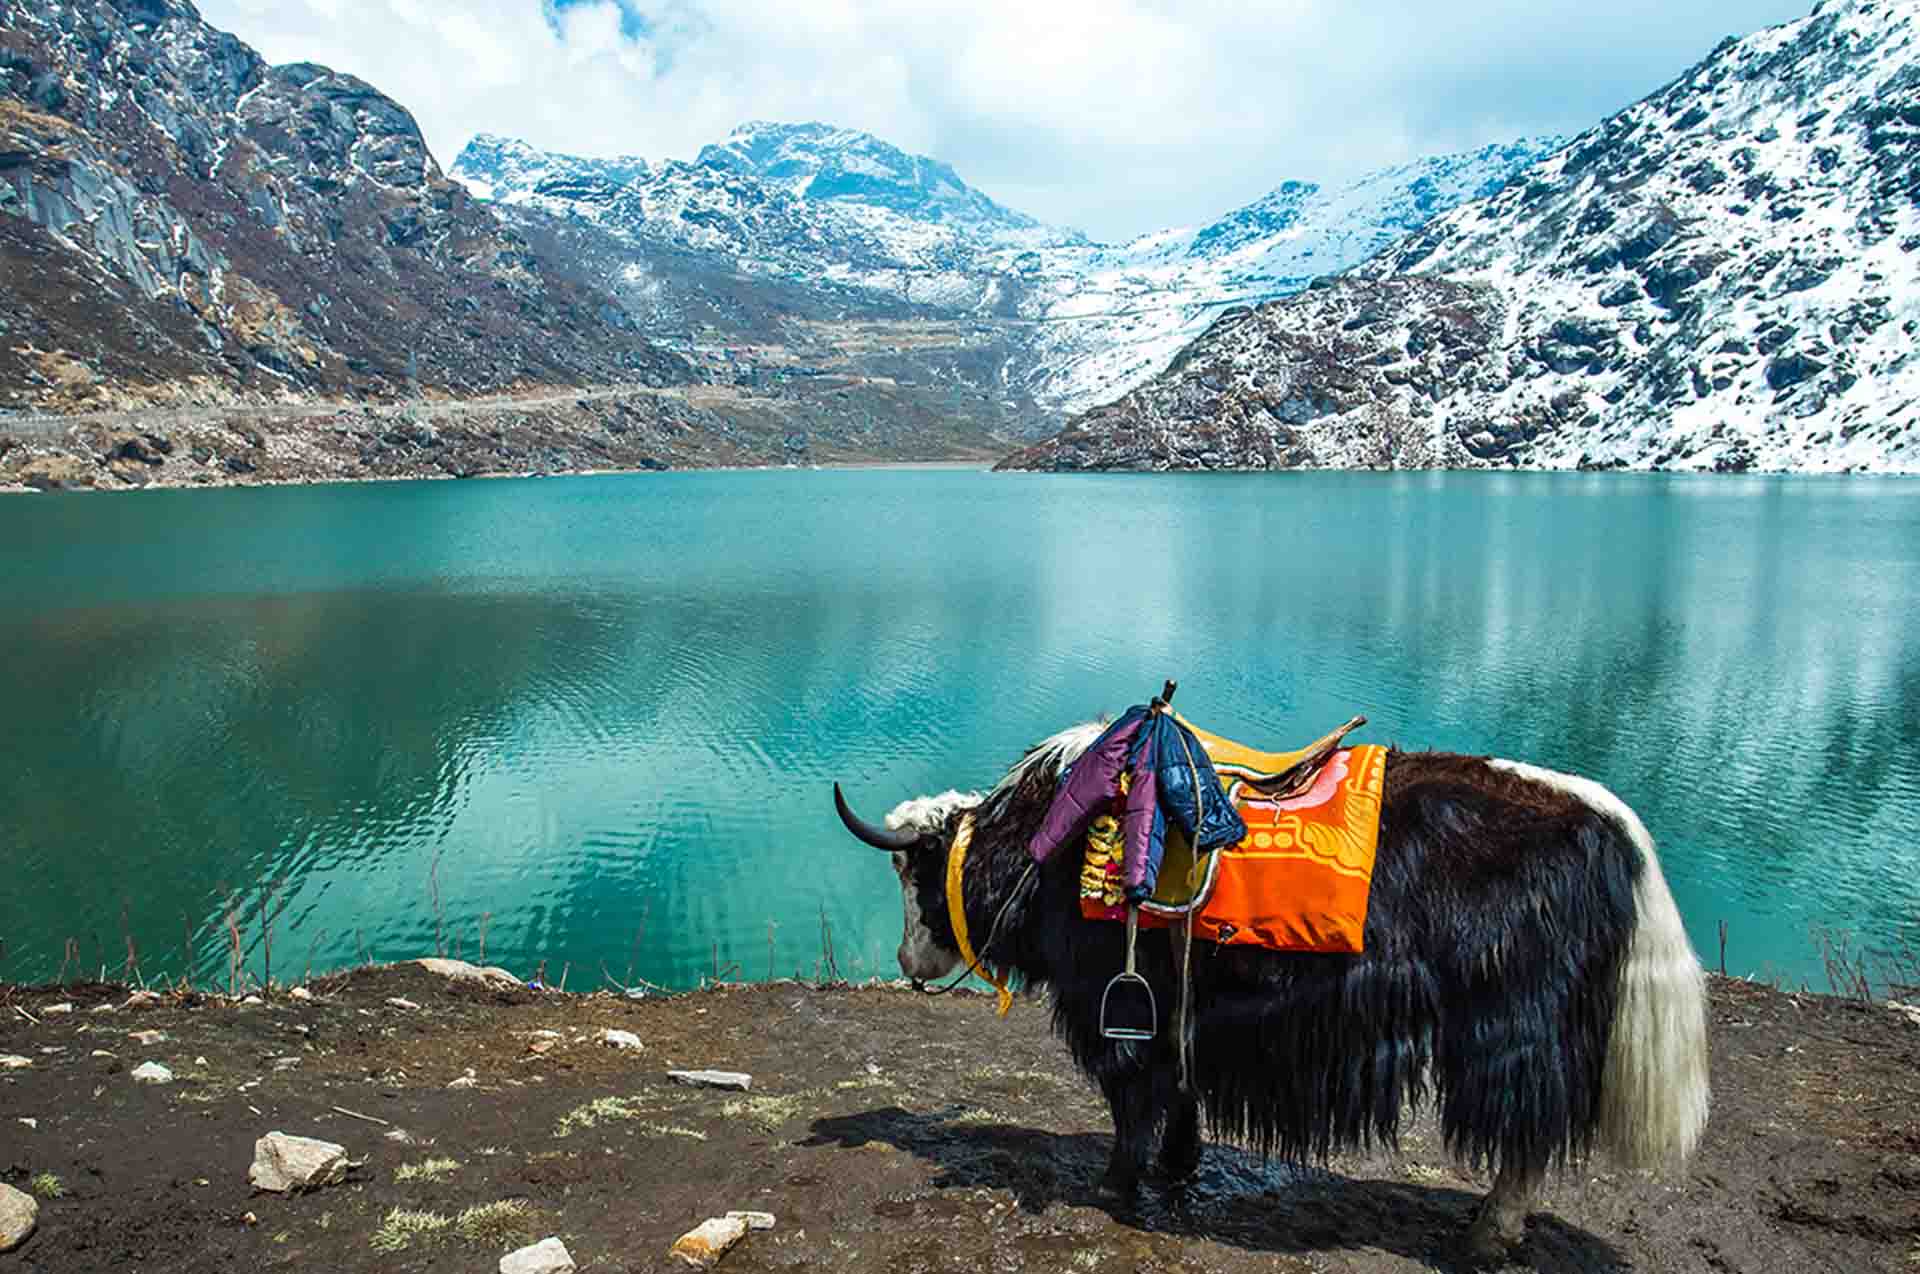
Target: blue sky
[{"x": 1115, "y": 116}]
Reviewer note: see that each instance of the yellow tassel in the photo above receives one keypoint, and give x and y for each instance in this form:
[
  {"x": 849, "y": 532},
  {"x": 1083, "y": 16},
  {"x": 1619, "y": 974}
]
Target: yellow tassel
[{"x": 957, "y": 912}]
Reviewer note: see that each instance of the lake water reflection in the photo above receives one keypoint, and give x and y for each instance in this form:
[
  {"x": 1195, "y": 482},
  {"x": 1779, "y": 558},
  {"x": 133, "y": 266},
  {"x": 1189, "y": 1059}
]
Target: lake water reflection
[{"x": 601, "y": 715}]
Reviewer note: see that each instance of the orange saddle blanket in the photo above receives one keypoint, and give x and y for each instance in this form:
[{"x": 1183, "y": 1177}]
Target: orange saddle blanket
[{"x": 1297, "y": 882}]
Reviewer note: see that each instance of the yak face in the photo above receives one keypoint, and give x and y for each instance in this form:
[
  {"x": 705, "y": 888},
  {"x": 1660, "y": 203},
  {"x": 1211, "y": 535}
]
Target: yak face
[
  {"x": 916, "y": 836},
  {"x": 928, "y": 948}
]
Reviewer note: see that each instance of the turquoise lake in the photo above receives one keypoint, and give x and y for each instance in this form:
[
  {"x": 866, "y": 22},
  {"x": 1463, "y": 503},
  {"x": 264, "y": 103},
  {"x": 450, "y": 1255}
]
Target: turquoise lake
[{"x": 600, "y": 717}]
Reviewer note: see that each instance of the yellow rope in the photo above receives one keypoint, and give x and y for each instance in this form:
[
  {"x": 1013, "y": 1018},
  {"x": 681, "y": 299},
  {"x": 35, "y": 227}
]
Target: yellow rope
[{"x": 957, "y": 912}]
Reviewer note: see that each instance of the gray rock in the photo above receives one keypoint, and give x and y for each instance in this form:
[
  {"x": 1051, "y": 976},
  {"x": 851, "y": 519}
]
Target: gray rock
[
  {"x": 460, "y": 970},
  {"x": 754, "y": 1220},
  {"x": 18, "y": 1215},
  {"x": 152, "y": 1073},
  {"x": 620, "y": 1039},
  {"x": 548, "y": 1256},
  {"x": 282, "y": 1163},
  {"x": 736, "y": 1081}
]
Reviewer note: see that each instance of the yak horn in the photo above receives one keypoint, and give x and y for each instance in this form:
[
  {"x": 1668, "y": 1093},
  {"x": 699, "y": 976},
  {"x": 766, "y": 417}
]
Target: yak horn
[{"x": 878, "y": 837}]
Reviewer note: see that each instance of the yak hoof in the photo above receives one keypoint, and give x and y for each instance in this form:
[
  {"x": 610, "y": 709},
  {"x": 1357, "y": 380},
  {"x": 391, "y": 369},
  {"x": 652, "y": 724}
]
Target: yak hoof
[
  {"x": 1488, "y": 1245},
  {"x": 1119, "y": 1183},
  {"x": 1180, "y": 1159}
]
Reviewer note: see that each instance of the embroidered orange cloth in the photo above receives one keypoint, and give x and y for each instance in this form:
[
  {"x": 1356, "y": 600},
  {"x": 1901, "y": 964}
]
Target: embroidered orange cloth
[{"x": 1298, "y": 882}]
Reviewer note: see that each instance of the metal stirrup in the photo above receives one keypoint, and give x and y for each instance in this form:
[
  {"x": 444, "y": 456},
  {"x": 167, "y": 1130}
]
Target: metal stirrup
[{"x": 1128, "y": 979}]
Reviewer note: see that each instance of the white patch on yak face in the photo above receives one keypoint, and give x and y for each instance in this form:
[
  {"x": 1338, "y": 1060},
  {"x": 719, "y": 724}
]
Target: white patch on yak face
[{"x": 922, "y": 958}]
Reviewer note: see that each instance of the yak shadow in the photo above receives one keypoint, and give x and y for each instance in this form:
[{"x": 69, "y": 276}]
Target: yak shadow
[{"x": 1236, "y": 1198}]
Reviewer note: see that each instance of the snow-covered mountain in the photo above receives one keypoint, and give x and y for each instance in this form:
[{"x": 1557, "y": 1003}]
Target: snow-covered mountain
[
  {"x": 843, "y": 209},
  {"x": 870, "y": 236},
  {"x": 1725, "y": 275},
  {"x": 506, "y": 170},
  {"x": 824, "y": 164},
  {"x": 1113, "y": 316}
]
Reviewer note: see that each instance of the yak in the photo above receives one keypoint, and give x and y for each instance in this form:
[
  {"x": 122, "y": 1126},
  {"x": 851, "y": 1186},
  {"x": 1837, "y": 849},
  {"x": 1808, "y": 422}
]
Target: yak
[{"x": 1525, "y": 970}]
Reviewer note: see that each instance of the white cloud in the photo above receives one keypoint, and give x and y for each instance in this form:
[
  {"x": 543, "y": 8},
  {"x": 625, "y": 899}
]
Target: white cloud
[{"x": 1119, "y": 116}]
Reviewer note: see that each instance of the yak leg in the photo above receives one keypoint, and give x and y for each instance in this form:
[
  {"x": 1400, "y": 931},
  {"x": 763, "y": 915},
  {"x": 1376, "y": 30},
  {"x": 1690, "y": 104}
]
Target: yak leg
[
  {"x": 1501, "y": 1224},
  {"x": 1180, "y": 1144},
  {"x": 1132, "y": 1098}
]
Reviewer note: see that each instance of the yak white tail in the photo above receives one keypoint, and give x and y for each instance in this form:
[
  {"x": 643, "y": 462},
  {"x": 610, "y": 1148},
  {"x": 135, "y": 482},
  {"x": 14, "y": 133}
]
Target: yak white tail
[{"x": 1655, "y": 1091}]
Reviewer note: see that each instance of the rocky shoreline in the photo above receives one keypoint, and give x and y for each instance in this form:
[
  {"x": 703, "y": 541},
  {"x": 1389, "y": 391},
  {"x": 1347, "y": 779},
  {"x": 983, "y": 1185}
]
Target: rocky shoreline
[
  {"x": 601, "y": 429},
  {"x": 876, "y": 1130}
]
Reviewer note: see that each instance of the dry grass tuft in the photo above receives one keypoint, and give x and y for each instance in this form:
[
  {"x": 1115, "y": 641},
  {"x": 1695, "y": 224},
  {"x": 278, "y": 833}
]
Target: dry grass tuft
[
  {"x": 767, "y": 1113},
  {"x": 426, "y": 1170},
  {"x": 598, "y": 1111},
  {"x": 402, "y": 1226},
  {"x": 500, "y": 1223}
]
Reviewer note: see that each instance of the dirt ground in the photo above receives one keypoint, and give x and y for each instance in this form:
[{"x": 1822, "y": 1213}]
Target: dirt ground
[{"x": 885, "y": 1131}]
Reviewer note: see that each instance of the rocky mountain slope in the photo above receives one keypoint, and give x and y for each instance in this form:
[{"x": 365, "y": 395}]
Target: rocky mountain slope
[
  {"x": 1725, "y": 275},
  {"x": 181, "y": 222}
]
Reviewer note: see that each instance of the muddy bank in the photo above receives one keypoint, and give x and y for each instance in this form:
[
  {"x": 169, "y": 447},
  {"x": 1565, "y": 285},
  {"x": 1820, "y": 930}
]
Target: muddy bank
[{"x": 885, "y": 1131}]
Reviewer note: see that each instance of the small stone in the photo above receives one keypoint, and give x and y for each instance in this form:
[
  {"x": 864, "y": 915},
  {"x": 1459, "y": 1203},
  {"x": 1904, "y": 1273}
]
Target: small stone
[
  {"x": 199, "y": 1061},
  {"x": 737, "y": 1081},
  {"x": 465, "y": 1081},
  {"x": 1909, "y": 1011},
  {"x": 141, "y": 1000},
  {"x": 754, "y": 1220},
  {"x": 252, "y": 999},
  {"x": 401, "y": 1002},
  {"x": 152, "y": 1073},
  {"x": 620, "y": 1039},
  {"x": 31, "y": 1123},
  {"x": 148, "y": 1038},
  {"x": 401, "y": 1135},
  {"x": 283, "y": 1163},
  {"x": 19, "y": 1213},
  {"x": 54, "y": 1010},
  {"x": 548, "y": 1256},
  {"x": 250, "y": 1219},
  {"x": 300, "y": 993},
  {"x": 14, "y": 1062},
  {"x": 101, "y": 1008},
  {"x": 703, "y": 1245},
  {"x": 100, "y": 1052},
  {"x": 285, "y": 1063}
]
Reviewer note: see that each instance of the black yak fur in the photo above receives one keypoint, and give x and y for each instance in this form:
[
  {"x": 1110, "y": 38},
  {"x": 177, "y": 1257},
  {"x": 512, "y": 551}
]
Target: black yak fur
[{"x": 1501, "y": 912}]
